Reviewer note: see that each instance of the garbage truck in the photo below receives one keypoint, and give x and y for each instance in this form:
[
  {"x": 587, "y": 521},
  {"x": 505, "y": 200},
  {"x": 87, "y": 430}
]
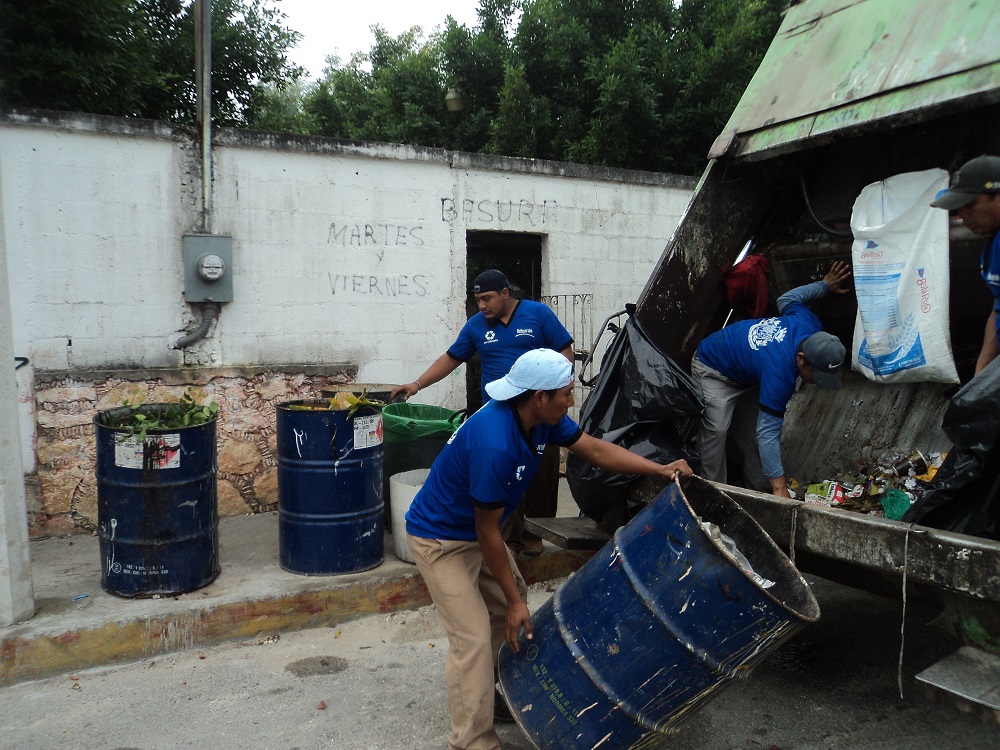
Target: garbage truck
[{"x": 849, "y": 93}]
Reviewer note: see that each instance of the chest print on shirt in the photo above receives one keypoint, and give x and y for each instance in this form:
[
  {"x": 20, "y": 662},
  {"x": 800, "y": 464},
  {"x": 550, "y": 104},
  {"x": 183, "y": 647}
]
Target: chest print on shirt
[
  {"x": 490, "y": 337},
  {"x": 519, "y": 473},
  {"x": 525, "y": 332},
  {"x": 764, "y": 332}
]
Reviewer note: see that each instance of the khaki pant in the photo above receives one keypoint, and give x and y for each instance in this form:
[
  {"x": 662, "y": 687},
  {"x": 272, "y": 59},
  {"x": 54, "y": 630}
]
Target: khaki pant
[
  {"x": 731, "y": 411},
  {"x": 473, "y": 610}
]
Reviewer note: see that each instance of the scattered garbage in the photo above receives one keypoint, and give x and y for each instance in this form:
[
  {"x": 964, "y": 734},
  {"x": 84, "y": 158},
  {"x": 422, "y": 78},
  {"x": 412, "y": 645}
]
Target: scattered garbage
[{"x": 888, "y": 489}]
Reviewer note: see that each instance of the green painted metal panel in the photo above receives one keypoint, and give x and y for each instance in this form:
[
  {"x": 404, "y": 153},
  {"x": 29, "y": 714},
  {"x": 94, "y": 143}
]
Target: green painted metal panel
[{"x": 838, "y": 64}]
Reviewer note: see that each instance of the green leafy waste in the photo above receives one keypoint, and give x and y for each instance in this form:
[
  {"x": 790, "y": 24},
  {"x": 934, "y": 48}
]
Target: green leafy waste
[
  {"x": 342, "y": 401},
  {"x": 139, "y": 419}
]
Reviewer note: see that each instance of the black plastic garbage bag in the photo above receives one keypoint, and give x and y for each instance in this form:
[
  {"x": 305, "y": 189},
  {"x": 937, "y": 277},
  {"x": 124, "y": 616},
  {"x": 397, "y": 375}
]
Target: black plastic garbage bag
[
  {"x": 638, "y": 397},
  {"x": 965, "y": 494}
]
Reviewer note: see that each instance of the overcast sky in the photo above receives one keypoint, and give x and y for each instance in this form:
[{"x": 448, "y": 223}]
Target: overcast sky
[{"x": 334, "y": 26}]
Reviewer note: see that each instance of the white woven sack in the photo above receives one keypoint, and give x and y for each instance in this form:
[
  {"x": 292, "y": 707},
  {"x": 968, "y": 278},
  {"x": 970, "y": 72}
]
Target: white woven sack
[{"x": 901, "y": 276}]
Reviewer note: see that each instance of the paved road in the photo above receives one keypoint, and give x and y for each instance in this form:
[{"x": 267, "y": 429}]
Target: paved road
[{"x": 377, "y": 684}]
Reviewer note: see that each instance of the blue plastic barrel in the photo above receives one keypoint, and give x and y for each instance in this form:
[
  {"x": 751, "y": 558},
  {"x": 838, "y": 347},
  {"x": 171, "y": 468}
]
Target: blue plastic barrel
[
  {"x": 157, "y": 507},
  {"x": 653, "y": 626},
  {"x": 330, "y": 518}
]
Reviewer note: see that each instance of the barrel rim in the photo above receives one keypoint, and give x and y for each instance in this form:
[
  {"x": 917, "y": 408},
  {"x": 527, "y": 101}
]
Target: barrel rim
[
  {"x": 285, "y": 406},
  {"x": 154, "y": 406},
  {"x": 809, "y": 598}
]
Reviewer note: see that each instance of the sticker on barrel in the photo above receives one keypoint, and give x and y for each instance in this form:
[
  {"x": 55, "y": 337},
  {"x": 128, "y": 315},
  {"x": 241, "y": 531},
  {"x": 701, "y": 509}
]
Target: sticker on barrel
[
  {"x": 368, "y": 431},
  {"x": 160, "y": 451}
]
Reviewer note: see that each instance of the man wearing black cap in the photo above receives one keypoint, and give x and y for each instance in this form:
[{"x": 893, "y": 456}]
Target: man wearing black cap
[
  {"x": 502, "y": 330},
  {"x": 748, "y": 372},
  {"x": 974, "y": 196}
]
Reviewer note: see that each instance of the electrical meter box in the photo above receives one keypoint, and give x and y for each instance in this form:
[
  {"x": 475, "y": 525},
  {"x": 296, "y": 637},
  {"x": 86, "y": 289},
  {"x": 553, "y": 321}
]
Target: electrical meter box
[{"x": 208, "y": 268}]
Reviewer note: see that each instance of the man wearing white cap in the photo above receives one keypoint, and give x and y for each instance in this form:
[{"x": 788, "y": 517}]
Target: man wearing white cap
[
  {"x": 748, "y": 372},
  {"x": 974, "y": 196},
  {"x": 453, "y": 527}
]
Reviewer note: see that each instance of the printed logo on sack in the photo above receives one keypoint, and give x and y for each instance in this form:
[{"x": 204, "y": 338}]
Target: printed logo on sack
[
  {"x": 925, "y": 295},
  {"x": 871, "y": 252},
  {"x": 764, "y": 332},
  {"x": 490, "y": 337},
  {"x": 525, "y": 332}
]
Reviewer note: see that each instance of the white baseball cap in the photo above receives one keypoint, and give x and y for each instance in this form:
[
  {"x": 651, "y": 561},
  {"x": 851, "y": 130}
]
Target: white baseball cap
[{"x": 537, "y": 370}]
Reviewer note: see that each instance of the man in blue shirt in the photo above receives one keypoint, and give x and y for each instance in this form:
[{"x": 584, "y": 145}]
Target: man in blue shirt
[
  {"x": 453, "y": 527},
  {"x": 502, "y": 330},
  {"x": 748, "y": 372},
  {"x": 974, "y": 196}
]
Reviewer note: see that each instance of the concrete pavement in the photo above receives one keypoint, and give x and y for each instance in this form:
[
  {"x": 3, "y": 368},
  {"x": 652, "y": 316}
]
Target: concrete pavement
[{"x": 77, "y": 625}]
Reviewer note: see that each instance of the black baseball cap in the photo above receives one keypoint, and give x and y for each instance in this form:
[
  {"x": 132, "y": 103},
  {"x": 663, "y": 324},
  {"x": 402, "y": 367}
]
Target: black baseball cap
[
  {"x": 490, "y": 280},
  {"x": 976, "y": 176}
]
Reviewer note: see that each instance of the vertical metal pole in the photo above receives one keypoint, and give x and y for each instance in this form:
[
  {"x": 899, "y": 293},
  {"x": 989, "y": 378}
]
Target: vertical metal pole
[{"x": 203, "y": 91}]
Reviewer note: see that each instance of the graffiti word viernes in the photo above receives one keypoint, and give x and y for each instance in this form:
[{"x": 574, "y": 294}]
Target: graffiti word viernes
[
  {"x": 378, "y": 286},
  {"x": 374, "y": 235},
  {"x": 498, "y": 211}
]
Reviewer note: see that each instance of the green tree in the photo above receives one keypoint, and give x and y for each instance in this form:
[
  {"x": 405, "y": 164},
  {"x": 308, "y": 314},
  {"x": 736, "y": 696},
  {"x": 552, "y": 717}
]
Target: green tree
[
  {"x": 394, "y": 93},
  {"x": 136, "y": 57},
  {"x": 521, "y": 115},
  {"x": 85, "y": 55}
]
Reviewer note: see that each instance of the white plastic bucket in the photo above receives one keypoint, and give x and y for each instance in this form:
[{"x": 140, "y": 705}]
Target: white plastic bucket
[{"x": 402, "y": 489}]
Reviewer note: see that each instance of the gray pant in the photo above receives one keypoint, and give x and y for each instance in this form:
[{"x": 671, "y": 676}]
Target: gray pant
[{"x": 730, "y": 414}]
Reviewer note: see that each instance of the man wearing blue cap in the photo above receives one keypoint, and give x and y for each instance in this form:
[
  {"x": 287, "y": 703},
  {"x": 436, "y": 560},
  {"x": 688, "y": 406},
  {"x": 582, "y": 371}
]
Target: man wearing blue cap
[
  {"x": 504, "y": 329},
  {"x": 748, "y": 372},
  {"x": 974, "y": 196},
  {"x": 453, "y": 527}
]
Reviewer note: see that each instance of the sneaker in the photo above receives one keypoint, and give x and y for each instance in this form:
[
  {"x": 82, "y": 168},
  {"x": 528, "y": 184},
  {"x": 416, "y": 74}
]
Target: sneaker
[{"x": 501, "y": 712}]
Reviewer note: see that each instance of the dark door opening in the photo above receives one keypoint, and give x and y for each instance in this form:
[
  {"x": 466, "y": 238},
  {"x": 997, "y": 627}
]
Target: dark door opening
[{"x": 519, "y": 256}]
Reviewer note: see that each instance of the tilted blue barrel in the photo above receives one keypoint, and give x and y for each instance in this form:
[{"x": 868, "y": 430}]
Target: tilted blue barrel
[
  {"x": 157, "y": 507},
  {"x": 330, "y": 518},
  {"x": 653, "y": 626}
]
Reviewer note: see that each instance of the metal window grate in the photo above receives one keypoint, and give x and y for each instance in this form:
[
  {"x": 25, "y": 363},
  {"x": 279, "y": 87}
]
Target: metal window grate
[{"x": 575, "y": 312}]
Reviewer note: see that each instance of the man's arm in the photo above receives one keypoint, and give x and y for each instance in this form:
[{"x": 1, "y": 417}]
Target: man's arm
[
  {"x": 441, "y": 368},
  {"x": 769, "y": 445},
  {"x": 495, "y": 555},
  {"x": 567, "y": 352},
  {"x": 614, "y": 458},
  {"x": 991, "y": 347},
  {"x": 831, "y": 283}
]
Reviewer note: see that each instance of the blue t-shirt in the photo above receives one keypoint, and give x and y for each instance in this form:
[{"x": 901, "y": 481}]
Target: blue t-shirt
[
  {"x": 989, "y": 267},
  {"x": 762, "y": 352},
  {"x": 532, "y": 325},
  {"x": 488, "y": 463}
]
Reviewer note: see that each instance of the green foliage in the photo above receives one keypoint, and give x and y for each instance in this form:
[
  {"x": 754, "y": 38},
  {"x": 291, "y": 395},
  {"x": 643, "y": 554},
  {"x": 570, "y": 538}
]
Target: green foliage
[
  {"x": 88, "y": 55},
  {"x": 643, "y": 84},
  {"x": 136, "y": 57},
  {"x": 139, "y": 419}
]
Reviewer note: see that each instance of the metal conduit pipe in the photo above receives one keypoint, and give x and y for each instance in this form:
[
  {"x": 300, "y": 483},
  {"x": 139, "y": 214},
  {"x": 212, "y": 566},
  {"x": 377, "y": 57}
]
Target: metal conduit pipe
[{"x": 207, "y": 317}]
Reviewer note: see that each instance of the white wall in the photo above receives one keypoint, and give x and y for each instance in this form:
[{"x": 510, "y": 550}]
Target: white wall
[{"x": 342, "y": 252}]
